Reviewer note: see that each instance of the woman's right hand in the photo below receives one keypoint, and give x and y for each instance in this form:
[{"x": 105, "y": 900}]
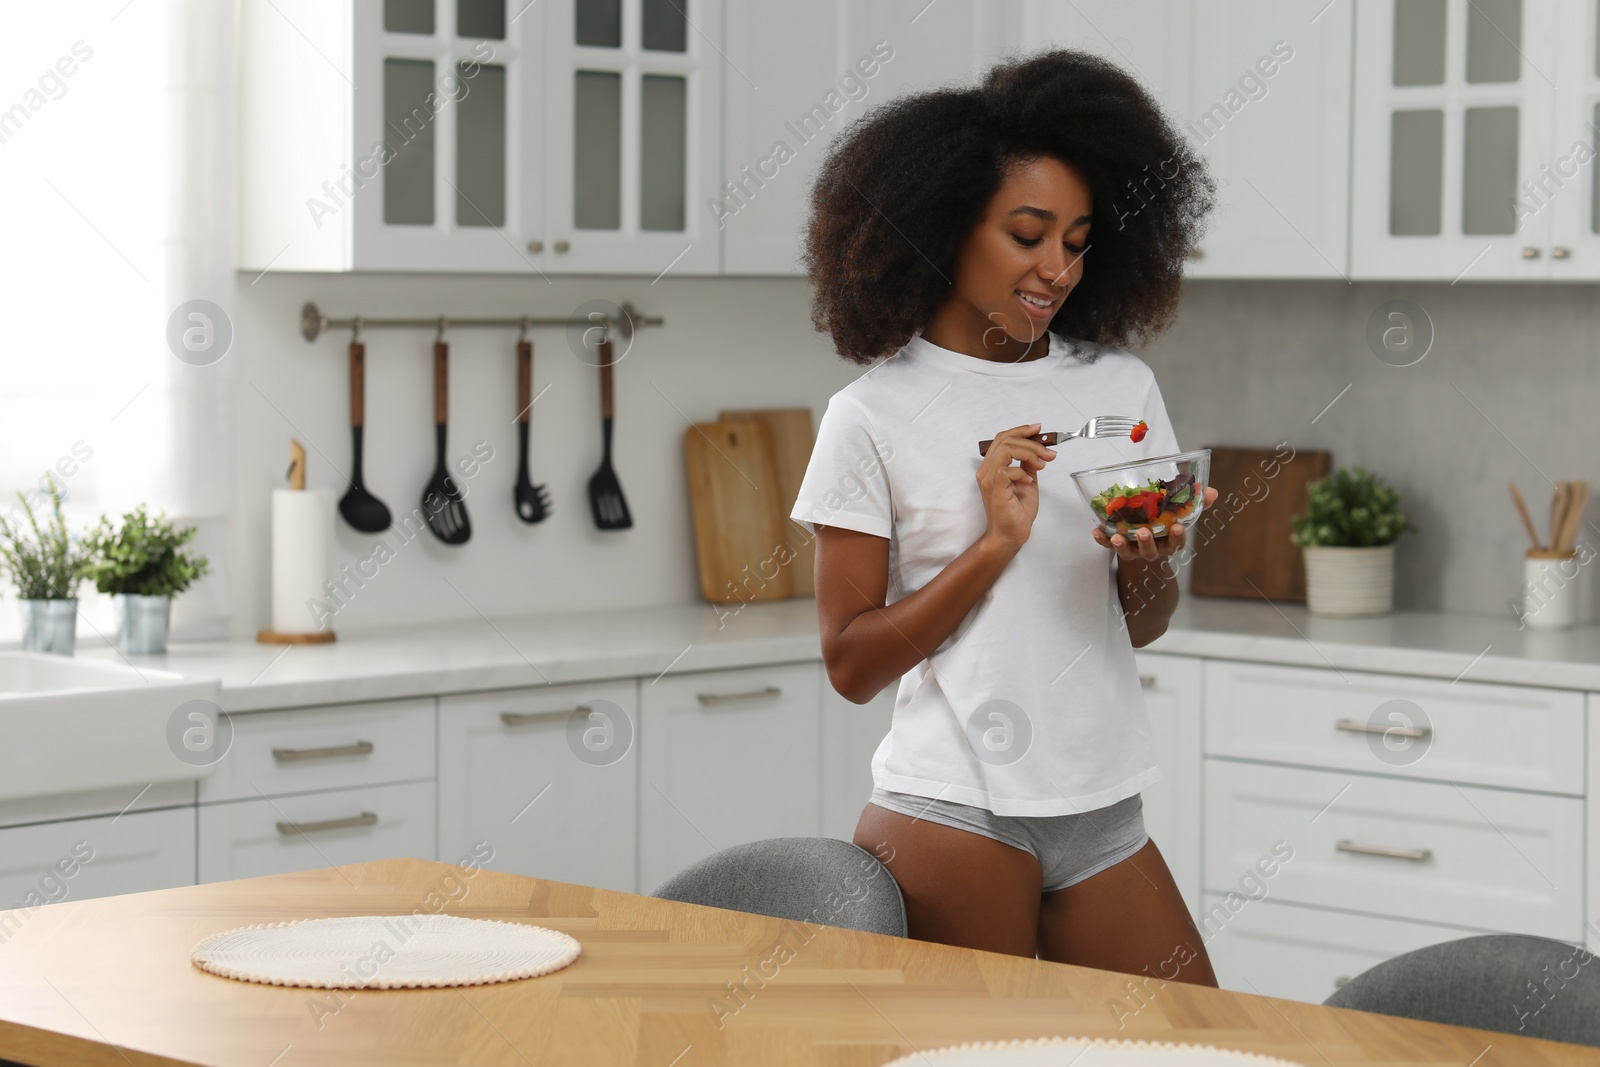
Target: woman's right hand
[{"x": 1011, "y": 493}]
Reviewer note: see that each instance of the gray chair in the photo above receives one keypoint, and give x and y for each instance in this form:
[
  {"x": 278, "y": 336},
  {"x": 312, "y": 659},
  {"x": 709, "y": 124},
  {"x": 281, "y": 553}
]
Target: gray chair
[
  {"x": 808, "y": 879},
  {"x": 1510, "y": 983}
]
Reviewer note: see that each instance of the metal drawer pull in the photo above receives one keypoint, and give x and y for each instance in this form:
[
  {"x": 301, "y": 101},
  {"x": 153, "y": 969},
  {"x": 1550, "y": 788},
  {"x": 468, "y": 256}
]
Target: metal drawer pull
[
  {"x": 1147, "y": 681},
  {"x": 1419, "y": 855},
  {"x": 1357, "y": 727},
  {"x": 289, "y": 755},
  {"x": 753, "y": 694},
  {"x": 366, "y": 818},
  {"x": 522, "y": 718}
]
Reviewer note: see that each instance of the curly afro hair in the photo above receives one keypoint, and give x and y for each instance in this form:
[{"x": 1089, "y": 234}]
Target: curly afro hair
[{"x": 902, "y": 186}]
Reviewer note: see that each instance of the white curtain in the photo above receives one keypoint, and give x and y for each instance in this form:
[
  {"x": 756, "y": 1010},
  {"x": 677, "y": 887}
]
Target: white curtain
[{"x": 116, "y": 168}]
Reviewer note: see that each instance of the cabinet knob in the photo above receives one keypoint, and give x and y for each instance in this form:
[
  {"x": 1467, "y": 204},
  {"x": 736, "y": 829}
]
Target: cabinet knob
[
  {"x": 1147, "y": 681},
  {"x": 1529, "y": 252},
  {"x": 1197, "y": 252},
  {"x": 562, "y": 246},
  {"x": 536, "y": 246},
  {"x": 1560, "y": 253},
  {"x": 1341, "y": 981}
]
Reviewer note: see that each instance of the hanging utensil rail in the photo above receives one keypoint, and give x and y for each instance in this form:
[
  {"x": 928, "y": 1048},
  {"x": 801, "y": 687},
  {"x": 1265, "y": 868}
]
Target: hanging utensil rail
[{"x": 313, "y": 322}]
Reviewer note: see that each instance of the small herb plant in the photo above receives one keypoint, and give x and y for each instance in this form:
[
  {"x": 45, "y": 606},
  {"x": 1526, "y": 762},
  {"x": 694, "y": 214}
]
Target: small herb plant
[
  {"x": 144, "y": 557},
  {"x": 1350, "y": 508},
  {"x": 49, "y": 564}
]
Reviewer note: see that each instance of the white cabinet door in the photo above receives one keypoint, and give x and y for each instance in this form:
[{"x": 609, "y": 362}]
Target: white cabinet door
[
  {"x": 633, "y": 136},
  {"x": 1172, "y": 688},
  {"x": 82, "y": 858},
  {"x": 1150, "y": 39},
  {"x": 1281, "y": 950},
  {"x": 728, "y": 757},
  {"x": 548, "y": 777},
  {"x": 851, "y": 734},
  {"x": 1592, "y": 908},
  {"x": 1454, "y": 105},
  {"x": 1567, "y": 187},
  {"x": 275, "y": 835},
  {"x": 1269, "y": 108},
  {"x": 1491, "y": 859}
]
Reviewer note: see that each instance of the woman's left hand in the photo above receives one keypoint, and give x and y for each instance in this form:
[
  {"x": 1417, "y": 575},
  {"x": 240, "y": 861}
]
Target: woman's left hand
[{"x": 1145, "y": 545}]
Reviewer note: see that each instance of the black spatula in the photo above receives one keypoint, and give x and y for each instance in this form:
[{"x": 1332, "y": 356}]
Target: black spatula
[
  {"x": 360, "y": 509},
  {"x": 441, "y": 499},
  {"x": 605, "y": 493}
]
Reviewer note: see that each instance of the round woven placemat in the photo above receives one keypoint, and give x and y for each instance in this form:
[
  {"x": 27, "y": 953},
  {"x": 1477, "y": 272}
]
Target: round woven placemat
[
  {"x": 385, "y": 952},
  {"x": 1049, "y": 1052}
]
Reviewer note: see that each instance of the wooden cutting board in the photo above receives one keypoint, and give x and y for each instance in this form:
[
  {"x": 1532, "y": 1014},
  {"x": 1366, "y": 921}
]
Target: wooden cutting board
[
  {"x": 792, "y": 438},
  {"x": 1247, "y": 544},
  {"x": 737, "y": 501}
]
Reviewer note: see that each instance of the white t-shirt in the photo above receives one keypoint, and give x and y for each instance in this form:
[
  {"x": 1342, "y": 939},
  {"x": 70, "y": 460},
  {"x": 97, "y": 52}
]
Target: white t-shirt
[{"x": 1033, "y": 705}]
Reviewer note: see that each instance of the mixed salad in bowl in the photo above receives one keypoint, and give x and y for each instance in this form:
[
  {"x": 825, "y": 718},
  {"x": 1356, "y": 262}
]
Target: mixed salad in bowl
[{"x": 1153, "y": 494}]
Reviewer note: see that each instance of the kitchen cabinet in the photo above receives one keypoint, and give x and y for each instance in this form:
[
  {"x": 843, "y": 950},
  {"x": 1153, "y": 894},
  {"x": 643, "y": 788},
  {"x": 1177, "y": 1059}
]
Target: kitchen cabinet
[
  {"x": 1591, "y": 927},
  {"x": 463, "y": 135},
  {"x": 1171, "y": 687},
  {"x": 726, "y": 757},
  {"x": 797, "y": 74},
  {"x": 1456, "y": 118},
  {"x": 274, "y": 835},
  {"x": 1261, "y": 945},
  {"x": 549, "y": 777},
  {"x": 851, "y": 734},
  {"x": 80, "y": 858}
]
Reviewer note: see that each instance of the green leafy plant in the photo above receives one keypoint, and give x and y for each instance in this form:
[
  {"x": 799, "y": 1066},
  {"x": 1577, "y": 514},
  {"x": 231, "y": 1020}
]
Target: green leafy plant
[
  {"x": 49, "y": 564},
  {"x": 1350, "y": 508},
  {"x": 144, "y": 556}
]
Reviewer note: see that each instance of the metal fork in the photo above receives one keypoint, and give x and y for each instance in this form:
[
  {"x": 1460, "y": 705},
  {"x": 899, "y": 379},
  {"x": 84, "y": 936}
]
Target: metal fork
[{"x": 1099, "y": 426}]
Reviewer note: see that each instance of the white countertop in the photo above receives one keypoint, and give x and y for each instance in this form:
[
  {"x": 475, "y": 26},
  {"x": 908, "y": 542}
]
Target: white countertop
[{"x": 509, "y": 653}]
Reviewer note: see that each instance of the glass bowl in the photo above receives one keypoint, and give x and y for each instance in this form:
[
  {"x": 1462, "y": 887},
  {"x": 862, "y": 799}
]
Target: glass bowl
[{"x": 1146, "y": 506}]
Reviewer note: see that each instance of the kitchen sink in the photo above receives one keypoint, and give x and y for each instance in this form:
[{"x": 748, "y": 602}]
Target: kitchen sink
[{"x": 71, "y": 725}]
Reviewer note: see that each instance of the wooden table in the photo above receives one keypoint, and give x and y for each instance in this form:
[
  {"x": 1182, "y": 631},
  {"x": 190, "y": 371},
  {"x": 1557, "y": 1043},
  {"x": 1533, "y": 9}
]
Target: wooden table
[{"x": 109, "y": 982}]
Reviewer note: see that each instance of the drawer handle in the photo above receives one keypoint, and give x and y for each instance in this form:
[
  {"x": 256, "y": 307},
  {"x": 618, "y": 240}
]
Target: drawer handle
[
  {"x": 366, "y": 818},
  {"x": 522, "y": 718},
  {"x": 767, "y": 692},
  {"x": 1356, "y": 727},
  {"x": 1147, "y": 681},
  {"x": 290, "y": 755},
  {"x": 1418, "y": 855}
]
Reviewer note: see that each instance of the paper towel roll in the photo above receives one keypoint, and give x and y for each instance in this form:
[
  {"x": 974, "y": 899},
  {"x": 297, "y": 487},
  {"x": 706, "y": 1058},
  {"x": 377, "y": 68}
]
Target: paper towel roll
[{"x": 302, "y": 552}]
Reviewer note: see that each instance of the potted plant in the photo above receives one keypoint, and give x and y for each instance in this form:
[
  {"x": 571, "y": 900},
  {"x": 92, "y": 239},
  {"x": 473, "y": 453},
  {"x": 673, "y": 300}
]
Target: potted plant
[
  {"x": 1348, "y": 531},
  {"x": 143, "y": 566},
  {"x": 46, "y": 569}
]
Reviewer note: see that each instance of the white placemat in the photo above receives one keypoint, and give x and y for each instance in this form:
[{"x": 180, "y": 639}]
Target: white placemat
[
  {"x": 1085, "y": 1052},
  {"x": 385, "y": 952}
]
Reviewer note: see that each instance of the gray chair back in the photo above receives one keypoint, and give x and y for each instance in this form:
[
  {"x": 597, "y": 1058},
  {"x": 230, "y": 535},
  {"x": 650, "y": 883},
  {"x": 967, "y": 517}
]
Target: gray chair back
[
  {"x": 1510, "y": 983},
  {"x": 809, "y": 879}
]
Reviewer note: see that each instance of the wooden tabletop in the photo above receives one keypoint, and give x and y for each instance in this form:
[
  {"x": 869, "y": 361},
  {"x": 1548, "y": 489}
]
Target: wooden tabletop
[{"x": 109, "y": 982}]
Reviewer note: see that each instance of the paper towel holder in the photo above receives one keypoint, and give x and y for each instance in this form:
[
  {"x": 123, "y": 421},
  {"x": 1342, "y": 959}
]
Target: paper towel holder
[{"x": 297, "y": 481}]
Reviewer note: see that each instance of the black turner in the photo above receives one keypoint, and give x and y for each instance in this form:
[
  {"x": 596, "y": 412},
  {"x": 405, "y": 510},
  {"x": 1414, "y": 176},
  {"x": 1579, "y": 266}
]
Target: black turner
[{"x": 605, "y": 493}]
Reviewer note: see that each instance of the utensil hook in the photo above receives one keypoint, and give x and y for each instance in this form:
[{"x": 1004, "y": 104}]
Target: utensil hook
[
  {"x": 355, "y": 329},
  {"x": 523, "y": 334},
  {"x": 442, "y": 324}
]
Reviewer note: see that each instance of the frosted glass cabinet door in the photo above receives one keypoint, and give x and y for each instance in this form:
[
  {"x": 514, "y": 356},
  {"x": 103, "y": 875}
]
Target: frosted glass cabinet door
[
  {"x": 798, "y": 73},
  {"x": 1567, "y": 189},
  {"x": 1454, "y": 110},
  {"x": 633, "y": 92},
  {"x": 447, "y": 121},
  {"x": 1269, "y": 109}
]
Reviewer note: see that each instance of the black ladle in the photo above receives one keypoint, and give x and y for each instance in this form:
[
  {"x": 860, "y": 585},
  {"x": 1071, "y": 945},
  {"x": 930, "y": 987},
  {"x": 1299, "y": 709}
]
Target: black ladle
[
  {"x": 441, "y": 498},
  {"x": 360, "y": 509}
]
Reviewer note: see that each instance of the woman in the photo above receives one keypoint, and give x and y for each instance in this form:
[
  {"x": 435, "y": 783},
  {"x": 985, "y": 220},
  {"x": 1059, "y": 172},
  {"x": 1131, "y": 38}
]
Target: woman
[{"x": 1000, "y": 245}]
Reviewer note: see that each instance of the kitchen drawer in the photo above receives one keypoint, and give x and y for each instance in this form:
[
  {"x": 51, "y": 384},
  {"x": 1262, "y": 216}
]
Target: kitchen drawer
[
  {"x": 83, "y": 858},
  {"x": 1282, "y": 950},
  {"x": 726, "y": 757},
  {"x": 514, "y": 771},
  {"x": 1518, "y": 737},
  {"x": 1484, "y": 858},
  {"x": 275, "y": 835},
  {"x": 308, "y": 749}
]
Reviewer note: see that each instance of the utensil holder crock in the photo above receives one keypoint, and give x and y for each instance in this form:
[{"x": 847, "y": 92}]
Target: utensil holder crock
[{"x": 1549, "y": 589}]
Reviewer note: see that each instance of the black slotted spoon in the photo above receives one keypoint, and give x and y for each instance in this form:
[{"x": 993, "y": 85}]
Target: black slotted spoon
[
  {"x": 605, "y": 492},
  {"x": 441, "y": 499},
  {"x": 533, "y": 502}
]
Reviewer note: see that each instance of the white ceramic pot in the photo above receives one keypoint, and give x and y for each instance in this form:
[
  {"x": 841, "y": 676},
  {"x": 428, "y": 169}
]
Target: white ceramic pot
[
  {"x": 1350, "y": 581},
  {"x": 1549, "y": 590},
  {"x": 142, "y": 623},
  {"x": 49, "y": 625}
]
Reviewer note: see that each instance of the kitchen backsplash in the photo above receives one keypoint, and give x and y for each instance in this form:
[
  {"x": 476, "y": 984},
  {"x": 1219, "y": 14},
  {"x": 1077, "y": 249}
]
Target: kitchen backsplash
[{"x": 1501, "y": 395}]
